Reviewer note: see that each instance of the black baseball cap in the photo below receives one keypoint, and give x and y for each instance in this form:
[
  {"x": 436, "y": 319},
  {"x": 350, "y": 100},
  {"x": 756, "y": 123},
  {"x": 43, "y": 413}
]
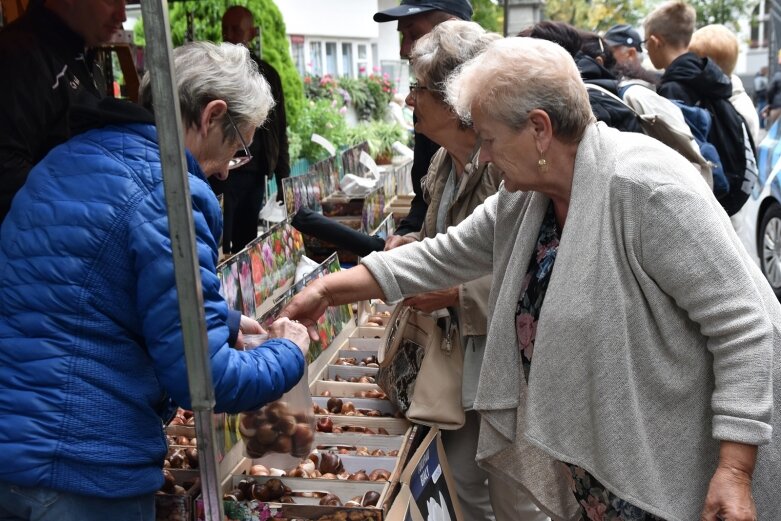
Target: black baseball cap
[
  {"x": 623, "y": 34},
  {"x": 460, "y": 8}
]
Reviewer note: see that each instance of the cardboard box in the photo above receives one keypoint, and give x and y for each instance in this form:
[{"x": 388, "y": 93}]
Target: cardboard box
[
  {"x": 307, "y": 494},
  {"x": 428, "y": 490}
]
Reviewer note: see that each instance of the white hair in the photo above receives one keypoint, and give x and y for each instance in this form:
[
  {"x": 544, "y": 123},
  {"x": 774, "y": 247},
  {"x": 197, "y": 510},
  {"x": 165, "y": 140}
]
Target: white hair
[
  {"x": 206, "y": 72},
  {"x": 450, "y": 44},
  {"x": 517, "y": 75}
]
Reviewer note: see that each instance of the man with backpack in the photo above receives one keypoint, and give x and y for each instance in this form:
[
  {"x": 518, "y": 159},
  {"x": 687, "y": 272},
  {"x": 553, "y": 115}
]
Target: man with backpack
[{"x": 703, "y": 92}]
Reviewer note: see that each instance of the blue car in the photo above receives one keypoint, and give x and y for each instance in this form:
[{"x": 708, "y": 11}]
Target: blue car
[{"x": 758, "y": 223}]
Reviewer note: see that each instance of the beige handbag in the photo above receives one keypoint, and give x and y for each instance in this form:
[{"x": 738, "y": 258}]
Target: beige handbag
[{"x": 421, "y": 367}]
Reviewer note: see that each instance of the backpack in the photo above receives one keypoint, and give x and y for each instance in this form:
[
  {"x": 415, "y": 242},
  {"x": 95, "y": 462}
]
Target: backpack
[
  {"x": 729, "y": 135},
  {"x": 700, "y": 123},
  {"x": 660, "y": 127}
]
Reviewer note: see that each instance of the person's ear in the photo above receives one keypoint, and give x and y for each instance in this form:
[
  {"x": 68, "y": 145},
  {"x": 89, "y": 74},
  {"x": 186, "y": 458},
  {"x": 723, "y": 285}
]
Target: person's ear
[
  {"x": 656, "y": 41},
  {"x": 212, "y": 115},
  {"x": 542, "y": 128},
  {"x": 600, "y": 60},
  {"x": 255, "y": 32}
]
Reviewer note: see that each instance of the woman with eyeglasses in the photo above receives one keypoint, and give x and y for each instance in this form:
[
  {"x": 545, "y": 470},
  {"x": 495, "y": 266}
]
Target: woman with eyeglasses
[
  {"x": 455, "y": 185},
  {"x": 91, "y": 349}
]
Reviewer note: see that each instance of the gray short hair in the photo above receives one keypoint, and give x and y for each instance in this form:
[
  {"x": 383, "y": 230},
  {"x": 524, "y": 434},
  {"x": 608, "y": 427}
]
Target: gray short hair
[
  {"x": 206, "y": 72},
  {"x": 517, "y": 75},
  {"x": 449, "y": 45}
]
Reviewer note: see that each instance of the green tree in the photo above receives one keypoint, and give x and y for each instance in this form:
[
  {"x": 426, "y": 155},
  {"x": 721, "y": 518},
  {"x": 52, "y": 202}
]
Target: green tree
[
  {"x": 595, "y": 15},
  {"x": 488, "y": 14},
  {"x": 207, "y": 25},
  {"x": 726, "y": 12}
]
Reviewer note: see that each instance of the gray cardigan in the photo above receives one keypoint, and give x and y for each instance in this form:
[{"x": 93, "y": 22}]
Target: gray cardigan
[{"x": 658, "y": 336}]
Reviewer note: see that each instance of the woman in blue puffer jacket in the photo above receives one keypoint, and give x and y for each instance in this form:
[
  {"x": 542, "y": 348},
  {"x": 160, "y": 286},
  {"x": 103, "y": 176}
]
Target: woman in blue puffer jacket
[{"x": 90, "y": 335}]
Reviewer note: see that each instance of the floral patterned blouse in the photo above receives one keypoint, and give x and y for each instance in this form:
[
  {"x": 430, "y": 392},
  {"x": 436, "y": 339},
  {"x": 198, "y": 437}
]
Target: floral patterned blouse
[{"x": 596, "y": 502}]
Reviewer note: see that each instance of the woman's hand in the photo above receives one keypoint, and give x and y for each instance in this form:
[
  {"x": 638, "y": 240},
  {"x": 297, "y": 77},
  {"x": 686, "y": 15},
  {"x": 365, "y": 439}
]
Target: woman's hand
[
  {"x": 248, "y": 326},
  {"x": 729, "y": 497},
  {"x": 729, "y": 494},
  {"x": 291, "y": 330},
  {"x": 394, "y": 241},
  {"x": 428, "y": 302},
  {"x": 307, "y": 306}
]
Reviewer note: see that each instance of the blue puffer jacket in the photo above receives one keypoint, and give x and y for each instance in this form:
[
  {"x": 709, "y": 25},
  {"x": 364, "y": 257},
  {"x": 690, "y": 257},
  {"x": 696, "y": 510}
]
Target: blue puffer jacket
[{"x": 90, "y": 338}]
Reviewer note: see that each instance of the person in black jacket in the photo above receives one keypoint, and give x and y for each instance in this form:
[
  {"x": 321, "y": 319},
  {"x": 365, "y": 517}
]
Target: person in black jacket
[
  {"x": 415, "y": 19},
  {"x": 244, "y": 190},
  {"x": 772, "y": 109},
  {"x": 47, "y": 70},
  {"x": 593, "y": 58}
]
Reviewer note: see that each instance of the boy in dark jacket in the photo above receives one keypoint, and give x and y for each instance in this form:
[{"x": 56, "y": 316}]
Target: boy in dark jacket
[
  {"x": 687, "y": 77},
  {"x": 700, "y": 84}
]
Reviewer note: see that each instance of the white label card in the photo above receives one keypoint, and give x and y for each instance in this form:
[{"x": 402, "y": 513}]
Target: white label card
[
  {"x": 403, "y": 149},
  {"x": 323, "y": 142},
  {"x": 437, "y": 472},
  {"x": 367, "y": 161}
]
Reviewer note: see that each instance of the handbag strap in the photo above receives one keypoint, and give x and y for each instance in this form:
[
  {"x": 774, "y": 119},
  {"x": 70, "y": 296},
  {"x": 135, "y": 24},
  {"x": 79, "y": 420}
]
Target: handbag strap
[{"x": 391, "y": 338}]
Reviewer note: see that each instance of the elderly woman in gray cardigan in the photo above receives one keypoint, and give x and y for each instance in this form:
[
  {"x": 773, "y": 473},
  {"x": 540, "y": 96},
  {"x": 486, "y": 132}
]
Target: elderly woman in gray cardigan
[{"x": 644, "y": 386}]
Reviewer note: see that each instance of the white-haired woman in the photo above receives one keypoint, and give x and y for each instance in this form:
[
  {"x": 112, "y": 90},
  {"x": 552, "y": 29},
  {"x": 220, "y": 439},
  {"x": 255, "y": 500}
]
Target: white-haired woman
[
  {"x": 646, "y": 359},
  {"x": 91, "y": 350},
  {"x": 455, "y": 185}
]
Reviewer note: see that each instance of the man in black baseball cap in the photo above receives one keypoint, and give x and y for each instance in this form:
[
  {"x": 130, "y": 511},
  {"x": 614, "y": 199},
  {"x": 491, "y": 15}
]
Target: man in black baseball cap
[
  {"x": 416, "y": 18},
  {"x": 626, "y": 44},
  {"x": 459, "y": 8}
]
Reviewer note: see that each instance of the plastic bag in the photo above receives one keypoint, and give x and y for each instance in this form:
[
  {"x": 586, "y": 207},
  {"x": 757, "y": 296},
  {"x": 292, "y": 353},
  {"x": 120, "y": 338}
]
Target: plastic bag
[
  {"x": 286, "y": 426},
  {"x": 274, "y": 211},
  {"x": 355, "y": 186}
]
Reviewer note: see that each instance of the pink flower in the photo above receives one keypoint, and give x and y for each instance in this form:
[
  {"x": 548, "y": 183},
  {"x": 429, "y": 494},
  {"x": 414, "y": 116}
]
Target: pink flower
[
  {"x": 268, "y": 255},
  {"x": 594, "y": 509},
  {"x": 526, "y": 328}
]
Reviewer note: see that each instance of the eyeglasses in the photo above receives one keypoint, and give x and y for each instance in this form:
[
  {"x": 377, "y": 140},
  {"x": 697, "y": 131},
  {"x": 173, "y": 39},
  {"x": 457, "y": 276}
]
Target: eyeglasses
[
  {"x": 238, "y": 160},
  {"x": 414, "y": 87}
]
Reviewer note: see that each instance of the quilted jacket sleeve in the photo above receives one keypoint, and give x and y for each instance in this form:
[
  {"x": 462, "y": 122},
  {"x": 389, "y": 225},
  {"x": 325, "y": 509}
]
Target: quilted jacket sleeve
[{"x": 243, "y": 380}]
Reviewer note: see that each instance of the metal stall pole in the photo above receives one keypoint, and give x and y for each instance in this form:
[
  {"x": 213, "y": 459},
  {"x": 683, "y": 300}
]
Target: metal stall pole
[{"x": 180, "y": 225}]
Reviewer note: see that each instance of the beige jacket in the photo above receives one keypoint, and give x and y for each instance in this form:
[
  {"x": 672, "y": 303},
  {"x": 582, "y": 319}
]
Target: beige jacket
[{"x": 477, "y": 184}]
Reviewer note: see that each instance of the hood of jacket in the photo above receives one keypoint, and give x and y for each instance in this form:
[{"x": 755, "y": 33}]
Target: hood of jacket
[
  {"x": 592, "y": 72},
  {"x": 701, "y": 75}
]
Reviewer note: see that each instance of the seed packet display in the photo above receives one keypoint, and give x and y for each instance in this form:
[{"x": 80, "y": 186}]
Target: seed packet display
[
  {"x": 328, "y": 170},
  {"x": 258, "y": 275},
  {"x": 246, "y": 285},
  {"x": 230, "y": 285},
  {"x": 386, "y": 227},
  {"x": 313, "y": 190},
  {"x": 289, "y": 195},
  {"x": 351, "y": 159},
  {"x": 389, "y": 182},
  {"x": 373, "y": 210}
]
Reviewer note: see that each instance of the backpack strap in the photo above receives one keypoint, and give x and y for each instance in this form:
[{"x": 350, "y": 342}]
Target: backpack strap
[
  {"x": 591, "y": 86},
  {"x": 662, "y": 131}
]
